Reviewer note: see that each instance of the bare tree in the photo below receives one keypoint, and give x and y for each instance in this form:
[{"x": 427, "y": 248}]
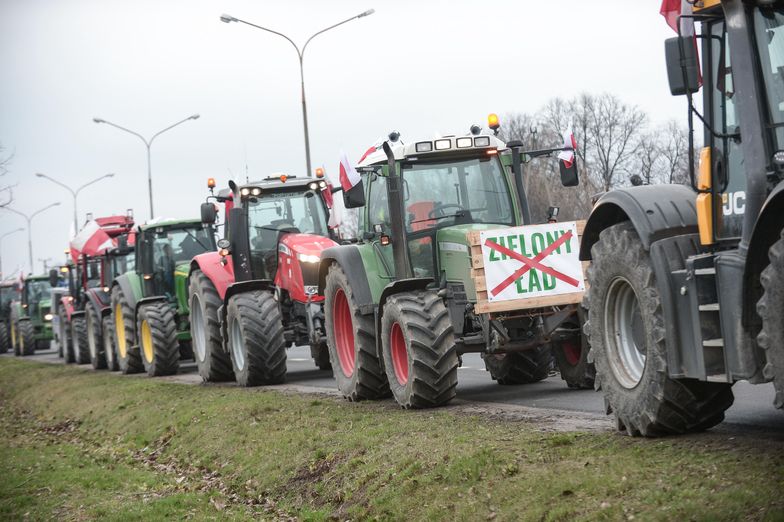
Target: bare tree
[
  {"x": 675, "y": 153},
  {"x": 6, "y": 193},
  {"x": 648, "y": 159}
]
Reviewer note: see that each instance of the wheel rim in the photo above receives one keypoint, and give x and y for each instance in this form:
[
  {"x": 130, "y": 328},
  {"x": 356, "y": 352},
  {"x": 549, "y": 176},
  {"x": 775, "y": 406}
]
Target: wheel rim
[
  {"x": 119, "y": 331},
  {"x": 624, "y": 335},
  {"x": 197, "y": 330},
  {"x": 572, "y": 351},
  {"x": 399, "y": 353},
  {"x": 108, "y": 348},
  {"x": 147, "y": 341},
  {"x": 91, "y": 339},
  {"x": 13, "y": 334},
  {"x": 344, "y": 333},
  {"x": 236, "y": 344}
]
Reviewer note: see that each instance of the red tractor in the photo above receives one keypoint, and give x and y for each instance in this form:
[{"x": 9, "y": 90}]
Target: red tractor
[
  {"x": 100, "y": 251},
  {"x": 258, "y": 294}
]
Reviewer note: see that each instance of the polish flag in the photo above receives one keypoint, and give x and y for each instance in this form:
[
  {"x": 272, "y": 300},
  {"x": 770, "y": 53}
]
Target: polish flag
[
  {"x": 672, "y": 9},
  {"x": 90, "y": 241},
  {"x": 372, "y": 149},
  {"x": 567, "y": 156},
  {"x": 348, "y": 174}
]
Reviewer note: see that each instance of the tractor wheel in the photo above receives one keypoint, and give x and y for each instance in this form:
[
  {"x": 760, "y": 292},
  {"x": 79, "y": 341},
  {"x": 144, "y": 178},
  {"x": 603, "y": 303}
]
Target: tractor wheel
[
  {"x": 5, "y": 337},
  {"x": 157, "y": 329},
  {"x": 571, "y": 355},
  {"x": 255, "y": 339},
  {"x": 320, "y": 354},
  {"x": 351, "y": 338},
  {"x": 81, "y": 349},
  {"x": 15, "y": 337},
  {"x": 771, "y": 308},
  {"x": 107, "y": 337},
  {"x": 128, "y": 356},
  {"x": 626, "y": 333},
  {"x": 65, "y": 338},
  {"x": 419, "y": 351},
  {"x": 213, "y": 362},
  {"x": 514, "y": 368},
  {"x": 26, "y": 338},
  {"x": 94, "y": 339}
]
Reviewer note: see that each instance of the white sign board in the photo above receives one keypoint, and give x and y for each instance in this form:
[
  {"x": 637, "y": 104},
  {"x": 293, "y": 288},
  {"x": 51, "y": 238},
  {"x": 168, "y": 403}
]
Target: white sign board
[{"x": 532, "y": 261}]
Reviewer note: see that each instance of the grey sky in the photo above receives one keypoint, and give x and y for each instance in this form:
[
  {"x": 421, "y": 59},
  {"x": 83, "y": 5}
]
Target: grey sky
[{"x": 417, "y": 67}]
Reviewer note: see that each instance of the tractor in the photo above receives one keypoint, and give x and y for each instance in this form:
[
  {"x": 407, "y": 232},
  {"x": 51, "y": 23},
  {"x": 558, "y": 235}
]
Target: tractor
[
  {"x": 9, "y": 292},
  {"x": 399, "y": 303},
  {"x": 89, "y": 275},
  {"x": 31, "y": 318},
  {"x": 687, "y": 283},
  {"x": 258, "y": 293},
  {"x": 149, "y": 303}
]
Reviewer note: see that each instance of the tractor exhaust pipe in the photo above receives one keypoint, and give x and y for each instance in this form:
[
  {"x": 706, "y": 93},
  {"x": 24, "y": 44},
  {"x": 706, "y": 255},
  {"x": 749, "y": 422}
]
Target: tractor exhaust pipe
[{"x": 398, "y": 229}]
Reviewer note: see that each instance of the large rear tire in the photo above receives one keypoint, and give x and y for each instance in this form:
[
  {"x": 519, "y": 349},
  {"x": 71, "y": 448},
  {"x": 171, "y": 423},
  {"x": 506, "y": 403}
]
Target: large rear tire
[
  {"x": 157, "y": 329},
  {"x": 128, "y": 357},
  {"x": 626, "y": 333},
  {"x": 255, "y": 339},
  {"x": 109, "y": 350},
  {"x": 5, "y": 337},
  {"x": 351, "y": 339},
  {"x": 213, "y": 362},
  {"x": 95, "y": 339},
  {"x": 26, "y": 338},
  {"x": 15, "y": 337},
  {"x": 515, "y": 368},
  {"x": 418, "y": 345},
  {"x": 771, "y": 308},
  {"x": 81, "y": 349}
]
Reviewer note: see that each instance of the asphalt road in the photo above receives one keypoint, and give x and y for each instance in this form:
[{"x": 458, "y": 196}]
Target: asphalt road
[{"x": 752, "y": 411}]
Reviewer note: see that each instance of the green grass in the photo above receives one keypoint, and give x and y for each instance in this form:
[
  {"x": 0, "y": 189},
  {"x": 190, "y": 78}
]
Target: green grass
[{"x": 84, "y": 445}]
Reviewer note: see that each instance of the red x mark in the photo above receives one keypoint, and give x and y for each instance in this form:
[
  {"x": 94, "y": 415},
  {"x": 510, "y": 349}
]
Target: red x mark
[{"x": 531, "y": 263}]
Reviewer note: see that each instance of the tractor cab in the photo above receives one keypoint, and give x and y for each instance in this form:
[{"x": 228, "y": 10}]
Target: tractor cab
[
  {"x": 36, "y": 295},
  {"x": 8, "y": 294}
]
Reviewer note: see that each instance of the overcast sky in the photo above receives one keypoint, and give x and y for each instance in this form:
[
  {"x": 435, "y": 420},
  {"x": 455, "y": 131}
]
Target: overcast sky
[{"x": 419, "y": 67}]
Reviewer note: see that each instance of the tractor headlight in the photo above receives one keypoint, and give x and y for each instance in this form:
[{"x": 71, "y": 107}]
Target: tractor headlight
[
  {"x": 308, "y": 258},
  {"x": 255, "y": 191},
  {"x": 424, "y": 146},
  {"x": 312, "y": 185},
  {"x": 464, "y": 143},
  {"x": 443, "y": 144},
  {"x": 244, "y": 191},
  {"x": 482, "y": 141},
  {"x": 48, "y": 317}
]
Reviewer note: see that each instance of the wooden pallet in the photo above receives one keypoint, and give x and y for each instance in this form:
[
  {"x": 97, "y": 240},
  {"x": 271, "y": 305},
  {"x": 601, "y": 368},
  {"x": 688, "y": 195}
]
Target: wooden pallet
[{"x": 483, "y": 306}]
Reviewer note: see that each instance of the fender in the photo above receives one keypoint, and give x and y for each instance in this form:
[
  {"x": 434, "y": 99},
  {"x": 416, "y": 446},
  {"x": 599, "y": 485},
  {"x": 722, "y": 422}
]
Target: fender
[
  {"x": 234, "y": 289},
  {"x": 221, "y": 275},
  {"x": 656, "y": 211},
  {"x": 67, "y": 304},
  {"x": 349, "y": 258},
  {"x": 127, "y": 287},
  {"x": 99, "y": 300},
  {"x": 147, "y": 300},
  {"x": 77, "y": 313},
  {"x": 396, "y": 287}
]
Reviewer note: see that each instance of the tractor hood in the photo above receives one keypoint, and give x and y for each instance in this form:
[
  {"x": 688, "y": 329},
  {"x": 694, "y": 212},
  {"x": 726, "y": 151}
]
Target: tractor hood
[
  {"x": 301, "y": 245},
  {"x": 298, "y": 264}
]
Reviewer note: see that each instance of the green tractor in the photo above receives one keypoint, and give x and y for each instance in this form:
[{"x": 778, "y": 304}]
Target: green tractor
[
  {"x": 150, "y": 305},
  {"x": 399, "y": 303},
  {"x": 31, "y": 318},
  {"x": 9, "y": 292}
]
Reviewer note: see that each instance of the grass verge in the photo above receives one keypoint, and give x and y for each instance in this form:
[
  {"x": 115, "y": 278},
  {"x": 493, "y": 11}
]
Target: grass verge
[{"x": 81, "y": 445}]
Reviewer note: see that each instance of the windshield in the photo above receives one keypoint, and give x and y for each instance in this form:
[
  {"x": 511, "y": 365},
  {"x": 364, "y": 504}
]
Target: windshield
[
  {"x": 120, "y": 264},
  {"x": 37, "y": 289},
  {"x": 457, "y": 192},
  {"x": 93, "y": 273},
  {"x": 177, "y": 245},
  {"x": 770, "y": 41},
  {"x": 6, "y": 296}
]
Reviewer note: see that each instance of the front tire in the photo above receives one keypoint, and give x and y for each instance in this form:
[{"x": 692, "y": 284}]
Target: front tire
[
  {"x": 516, "y": 368},
  {"x": 771, "y": 309},
  {"x": 26, "y": 338},
  {"x": 81, "y": 349},
  {"x": 128, "y": 357},
  {"x": 418, "y": 345},
  {"x": 571, "y": 355},
  {"x": 351, "y": 339},
  {"x": 157, "y": 330},
  {"x": 5, "y": 337},
  {"x": 626, "y": 333},
  {"x": 320, "y": 354},
  {"x": 109, "y": 350},
  {"x": 213, "y": 362},
  {"x": 95, "y": 339},
  {"x": 255, "y": 339}
]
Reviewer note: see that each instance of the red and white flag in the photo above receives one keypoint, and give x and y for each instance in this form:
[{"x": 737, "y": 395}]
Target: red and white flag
[
  {"x": 377, "y": 145},
  {"x": 348, "y": 174},
  {"x": 90, "y": 241},
  {"x": 567, "y": 156},
  {"x": 672, "y": 9}
]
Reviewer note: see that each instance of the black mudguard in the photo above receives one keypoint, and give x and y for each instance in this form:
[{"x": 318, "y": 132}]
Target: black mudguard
[{"x": 349, "y": 258}]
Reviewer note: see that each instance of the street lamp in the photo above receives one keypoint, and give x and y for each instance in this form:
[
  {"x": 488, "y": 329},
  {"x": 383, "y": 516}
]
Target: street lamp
[
  {"x": 148, "y": 144},
  {"x": 300, "y": 53},
  {"x": 1, "y": 248},
  {"x": 29, "y": 228},
  {"x": 74, "y": 193}
]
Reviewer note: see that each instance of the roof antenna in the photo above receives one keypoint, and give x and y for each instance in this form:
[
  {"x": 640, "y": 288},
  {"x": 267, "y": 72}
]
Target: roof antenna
[{"x": 246, "y": 164}]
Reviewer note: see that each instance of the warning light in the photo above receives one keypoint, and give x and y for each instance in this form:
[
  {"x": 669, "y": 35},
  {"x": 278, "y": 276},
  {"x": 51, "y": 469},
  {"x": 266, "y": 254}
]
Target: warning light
[
  {"x": 492, "y": 121},
  {"x": 385, "y": 240},
  {"x": 319, "y": 172},
  {"x": 283, "y": 178},
  {"x": 211, "y": 183}
]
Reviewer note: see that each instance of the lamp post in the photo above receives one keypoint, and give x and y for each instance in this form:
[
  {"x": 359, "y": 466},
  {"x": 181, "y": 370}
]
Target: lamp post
[
  {"x": 2, "y": 274},
  {"x": 301, "y": 54},
  {"x": 148, "y": 144},
  {"x": 30, "y": 229},
  {"x": 74, "y": 193}
]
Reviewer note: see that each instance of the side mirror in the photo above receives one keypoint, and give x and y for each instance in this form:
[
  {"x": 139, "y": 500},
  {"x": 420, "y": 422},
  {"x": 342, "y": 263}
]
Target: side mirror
[
  {"x": 681, "y": 56},
  {"x": 208, "y": 213},
  {"x": 355, "y": 197},
  {"x": 54, "y": 277},
  {"x": 569, "y": 173}
]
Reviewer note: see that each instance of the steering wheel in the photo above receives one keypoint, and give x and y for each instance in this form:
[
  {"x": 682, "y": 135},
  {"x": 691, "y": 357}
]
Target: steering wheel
[{"x": 441, "y": 207}]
